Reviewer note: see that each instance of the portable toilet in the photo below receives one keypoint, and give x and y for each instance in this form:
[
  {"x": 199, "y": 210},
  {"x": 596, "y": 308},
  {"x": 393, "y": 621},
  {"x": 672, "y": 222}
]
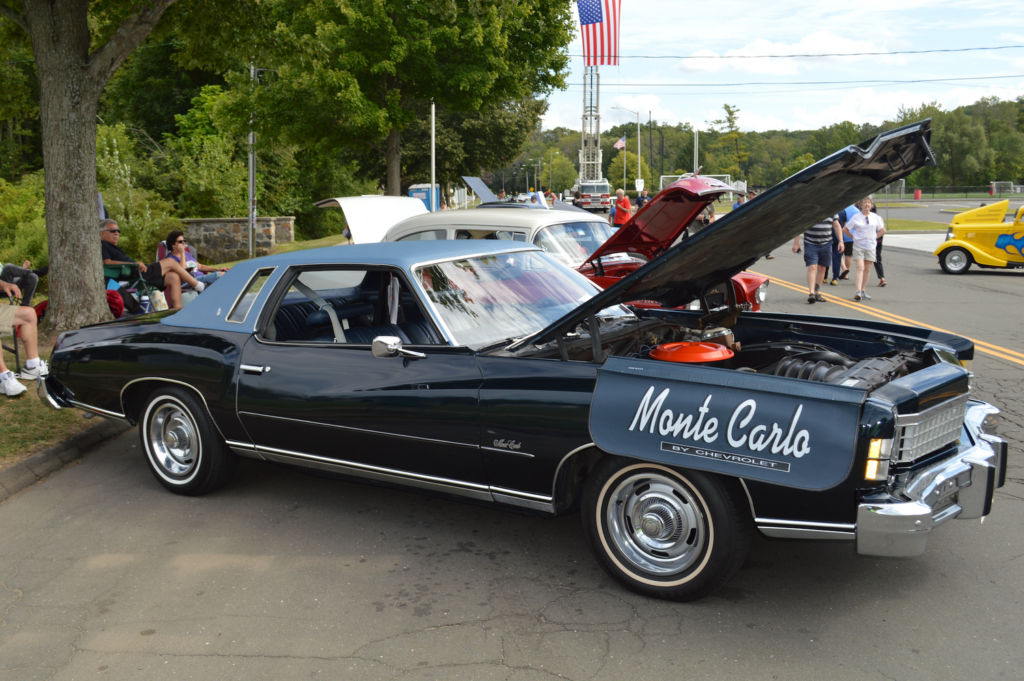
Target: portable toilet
[{"x": 422, "y": 192}]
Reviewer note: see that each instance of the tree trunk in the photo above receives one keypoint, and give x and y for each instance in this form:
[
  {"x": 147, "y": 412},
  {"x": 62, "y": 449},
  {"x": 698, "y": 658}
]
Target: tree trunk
[
  {"x": 68, "y": 102},
  {"x": 394, "y": 161},
  {"x": 71, "y": 80}
]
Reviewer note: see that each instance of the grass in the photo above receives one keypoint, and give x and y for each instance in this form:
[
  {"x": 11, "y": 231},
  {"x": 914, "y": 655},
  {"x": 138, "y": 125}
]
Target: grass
[
  {"x": 27, "y": 425},
  {"x": 895, "y": 225}
]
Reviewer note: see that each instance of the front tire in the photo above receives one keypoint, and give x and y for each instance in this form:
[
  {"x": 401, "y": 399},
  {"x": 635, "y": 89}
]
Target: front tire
[
  {"x": 665, "y": 533},
  {"x": 182, "y": 446},
  {"x": 955, "y": 260}
]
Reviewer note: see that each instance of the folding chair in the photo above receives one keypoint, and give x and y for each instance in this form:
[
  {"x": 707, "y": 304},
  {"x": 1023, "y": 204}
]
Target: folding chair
[{"x": 129, "y": 278}]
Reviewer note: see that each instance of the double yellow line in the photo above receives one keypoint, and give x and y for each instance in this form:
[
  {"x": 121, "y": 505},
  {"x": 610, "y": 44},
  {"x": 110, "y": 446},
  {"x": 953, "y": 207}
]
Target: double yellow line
[{"x": 980, "y": 346}]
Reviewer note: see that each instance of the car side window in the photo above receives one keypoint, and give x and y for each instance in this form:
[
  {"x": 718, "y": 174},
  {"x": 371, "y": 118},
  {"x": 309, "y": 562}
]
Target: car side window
[
  {"x": 240, "y": 310},
  {"x": 428, "y": 235},
  {"x": 491, "y": 235},
  {"x": 350, "y": 306}
]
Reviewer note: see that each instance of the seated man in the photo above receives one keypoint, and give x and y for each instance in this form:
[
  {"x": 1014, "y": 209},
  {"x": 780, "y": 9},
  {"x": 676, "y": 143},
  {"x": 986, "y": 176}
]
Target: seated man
[
  {"x": 24, "y": 318},
  {"x": 25, "y": 277},
  {"x": 163, "y": 274}
]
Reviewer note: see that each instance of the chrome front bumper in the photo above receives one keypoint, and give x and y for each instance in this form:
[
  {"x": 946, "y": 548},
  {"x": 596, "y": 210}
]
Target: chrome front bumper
[{"x": 962, "y": 486}]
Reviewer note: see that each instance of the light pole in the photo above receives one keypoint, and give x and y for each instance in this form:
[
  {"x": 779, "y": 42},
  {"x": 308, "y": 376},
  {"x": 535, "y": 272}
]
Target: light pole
[
  {"x": 551, "y": 174},
  {"x": 637, "y": 141}
]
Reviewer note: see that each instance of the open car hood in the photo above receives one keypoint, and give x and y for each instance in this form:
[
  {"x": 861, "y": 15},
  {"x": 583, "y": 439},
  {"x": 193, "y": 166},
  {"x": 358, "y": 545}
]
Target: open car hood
[
  {"x": 732, "y": 244},
  {"x": 370, "y": 217},
  {"x": 657, "y": 225}
]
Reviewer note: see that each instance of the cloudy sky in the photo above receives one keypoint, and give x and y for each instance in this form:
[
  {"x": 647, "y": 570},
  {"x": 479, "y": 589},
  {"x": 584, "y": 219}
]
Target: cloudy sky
[{"x": 677, "y": 89}]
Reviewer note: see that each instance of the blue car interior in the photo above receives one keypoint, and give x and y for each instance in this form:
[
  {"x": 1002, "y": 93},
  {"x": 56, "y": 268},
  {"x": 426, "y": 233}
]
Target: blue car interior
[{"x": 298, "y": 319}]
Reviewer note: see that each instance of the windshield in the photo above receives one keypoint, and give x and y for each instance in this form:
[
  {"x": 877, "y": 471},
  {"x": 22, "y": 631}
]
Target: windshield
[
  {"x": 573, "y": 242},
  {"x": 595, "y": 189},
  {"x": 490, "y": 298}
]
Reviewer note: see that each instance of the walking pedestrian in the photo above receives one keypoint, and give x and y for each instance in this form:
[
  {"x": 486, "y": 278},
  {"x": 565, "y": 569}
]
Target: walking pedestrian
[
  {"x": 845, "y": 215},
  {"x": 879, "y": 271},
  {"x": 818, "y": 254},
  {"x": 622, "y": 208},
  {"x": 864, "y": 228}
]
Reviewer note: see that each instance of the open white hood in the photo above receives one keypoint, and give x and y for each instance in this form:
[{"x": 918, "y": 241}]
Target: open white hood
[{"x": 370, "y": 217}]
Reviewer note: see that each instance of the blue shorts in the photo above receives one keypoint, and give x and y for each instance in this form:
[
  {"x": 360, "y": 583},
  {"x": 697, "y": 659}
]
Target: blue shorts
[{"x": 818, "y": 254}]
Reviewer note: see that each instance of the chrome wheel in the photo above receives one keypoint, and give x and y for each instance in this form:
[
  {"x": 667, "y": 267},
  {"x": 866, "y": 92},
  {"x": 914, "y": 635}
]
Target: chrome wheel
[
  {"x": 657, "y": 523},
  {"x": 173, "y": 441},
  {"x": 956, "y": 261}
]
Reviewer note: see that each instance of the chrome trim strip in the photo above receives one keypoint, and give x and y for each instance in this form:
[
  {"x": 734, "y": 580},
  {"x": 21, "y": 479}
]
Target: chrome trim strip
[
  {"x": 750, "y": 499},
  {"x": 171, "y": 380},
  {"x": 515, "y": 492},
  {"x": 360, "y": 430},
  {"x": 508, "y": 451},
  {"x": 248, "y": 453},
  {"x": 251, "y": 368},
  {"x": 242, "y": 445},
  {"x": 802, "y": 533},
  {"x": 459, "y": 487},
  {"x": 544, "y": 506},
  {"x": 97, "y": 410},
  {"x": 844, "y": 527}
]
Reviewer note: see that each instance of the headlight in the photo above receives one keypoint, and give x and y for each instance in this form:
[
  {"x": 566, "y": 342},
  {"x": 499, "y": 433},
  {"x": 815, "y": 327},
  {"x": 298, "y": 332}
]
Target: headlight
[
  {"x": 762, "y": 292},
  {"x": 877, "y": 468},
  {"x": 949, "y": 234}
]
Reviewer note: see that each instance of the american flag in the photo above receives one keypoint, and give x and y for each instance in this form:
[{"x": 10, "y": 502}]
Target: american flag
[
  {"x": 599, "y": 24},
  {"x": 621, "y": 144}
]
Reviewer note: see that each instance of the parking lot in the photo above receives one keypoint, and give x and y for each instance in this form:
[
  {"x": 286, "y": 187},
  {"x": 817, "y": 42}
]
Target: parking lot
[{"x": 103, "y": 574}]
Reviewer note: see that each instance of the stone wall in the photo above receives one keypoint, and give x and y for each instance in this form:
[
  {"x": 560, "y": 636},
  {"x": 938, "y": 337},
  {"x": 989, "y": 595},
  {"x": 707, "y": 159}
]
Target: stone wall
[{"x": 218, "y": 240}]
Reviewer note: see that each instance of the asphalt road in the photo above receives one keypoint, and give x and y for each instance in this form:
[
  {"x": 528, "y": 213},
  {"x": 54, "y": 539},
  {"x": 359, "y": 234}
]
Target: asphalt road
[
  {"x": 104, "y": 575},
  {"x": 939, "y": 210}
]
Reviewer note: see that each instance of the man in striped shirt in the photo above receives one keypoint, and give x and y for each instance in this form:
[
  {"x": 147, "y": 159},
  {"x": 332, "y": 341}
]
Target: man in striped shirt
[{"x": 818, "y": 254}]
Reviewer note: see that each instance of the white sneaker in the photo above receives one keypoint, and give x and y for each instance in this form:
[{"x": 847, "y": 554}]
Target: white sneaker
[
  {"x": 12, "y": 388},
  {"x": 200, "y": 287},
  {"x": 38, "y": 371}
]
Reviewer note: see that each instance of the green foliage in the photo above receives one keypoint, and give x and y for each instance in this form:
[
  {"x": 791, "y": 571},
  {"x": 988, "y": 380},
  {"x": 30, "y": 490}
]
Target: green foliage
[
  {"x": 962, "y": 150},
  {"x": 143, "y": 216},
  {"x": 797, "y": 164},
  {"x": 22, "y": 222},
  {"x": 832, "y": 138},
  {"x": 350, "y": 74},
  {"x": 729, "y": 148},
  {"x": 615, "y": 171}
]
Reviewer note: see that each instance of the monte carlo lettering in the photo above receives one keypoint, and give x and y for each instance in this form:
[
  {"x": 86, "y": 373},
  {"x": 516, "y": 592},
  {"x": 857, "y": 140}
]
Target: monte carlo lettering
[{"x": 741, "y": 431}]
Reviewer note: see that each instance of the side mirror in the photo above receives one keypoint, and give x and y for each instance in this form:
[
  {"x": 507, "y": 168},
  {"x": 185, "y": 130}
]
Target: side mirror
[{"x": 391, "y": 346}]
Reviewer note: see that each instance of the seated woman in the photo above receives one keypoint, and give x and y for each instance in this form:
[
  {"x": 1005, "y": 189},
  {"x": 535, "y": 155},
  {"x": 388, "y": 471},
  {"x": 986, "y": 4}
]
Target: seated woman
[{"x": 177, "y": 246}]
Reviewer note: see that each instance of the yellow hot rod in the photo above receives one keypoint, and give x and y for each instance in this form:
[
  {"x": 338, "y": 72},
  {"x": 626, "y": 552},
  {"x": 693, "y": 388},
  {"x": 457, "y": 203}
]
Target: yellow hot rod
[{"x": 984, "y": 238}]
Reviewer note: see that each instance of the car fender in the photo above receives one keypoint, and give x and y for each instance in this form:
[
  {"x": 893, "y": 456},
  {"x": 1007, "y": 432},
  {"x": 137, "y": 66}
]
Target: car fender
[{"x": 980, "y": 256}]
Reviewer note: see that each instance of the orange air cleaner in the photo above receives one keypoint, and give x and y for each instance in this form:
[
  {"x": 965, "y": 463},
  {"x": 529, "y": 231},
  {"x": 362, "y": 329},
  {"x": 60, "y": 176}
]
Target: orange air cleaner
[{"x": 691, "y": 353}]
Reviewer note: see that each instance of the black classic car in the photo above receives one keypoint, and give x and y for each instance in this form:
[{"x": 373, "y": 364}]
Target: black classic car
[{"x": 490, "y": 371}]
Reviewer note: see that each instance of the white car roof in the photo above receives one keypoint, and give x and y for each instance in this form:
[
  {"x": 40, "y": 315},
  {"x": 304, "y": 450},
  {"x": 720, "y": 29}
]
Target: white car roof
[{"x": 529, "y": 221}]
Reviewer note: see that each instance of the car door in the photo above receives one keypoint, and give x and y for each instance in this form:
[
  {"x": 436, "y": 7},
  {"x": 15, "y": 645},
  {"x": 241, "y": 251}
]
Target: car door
[{"x": 333, "y": 405}]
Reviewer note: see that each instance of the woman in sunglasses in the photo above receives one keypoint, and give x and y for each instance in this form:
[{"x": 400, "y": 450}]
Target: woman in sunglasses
[{"x": 177, "y": 245}]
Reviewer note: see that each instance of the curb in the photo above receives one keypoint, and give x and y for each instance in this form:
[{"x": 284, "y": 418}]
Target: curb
[{"x": 36, "y": 467}]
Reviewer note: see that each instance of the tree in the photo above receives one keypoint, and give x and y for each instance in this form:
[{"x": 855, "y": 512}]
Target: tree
[
  {"x": 796, "y": 165},
  {"x": 831, "y": 138},
  {"x": 730, "y": 143},
  {"x": 77, "y": 48},
  {"x": 615, "y": 172},
  {"x": 962, "y": 149},
  {"x": 360, "y": 72}
]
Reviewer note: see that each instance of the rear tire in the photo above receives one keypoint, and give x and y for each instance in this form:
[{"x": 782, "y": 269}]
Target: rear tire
[
  {"x": 182, "y": 446},
  {"x": 665, "y": 533},
  {"x": 955, "y": 260}
]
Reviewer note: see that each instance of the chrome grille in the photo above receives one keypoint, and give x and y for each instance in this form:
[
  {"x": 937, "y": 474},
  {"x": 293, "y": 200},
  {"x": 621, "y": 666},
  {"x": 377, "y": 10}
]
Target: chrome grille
[{"x": 918, "y": 435}]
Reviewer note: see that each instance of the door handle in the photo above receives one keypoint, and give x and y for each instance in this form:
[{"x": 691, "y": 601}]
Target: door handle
[{"x": 252, "y": 369}]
